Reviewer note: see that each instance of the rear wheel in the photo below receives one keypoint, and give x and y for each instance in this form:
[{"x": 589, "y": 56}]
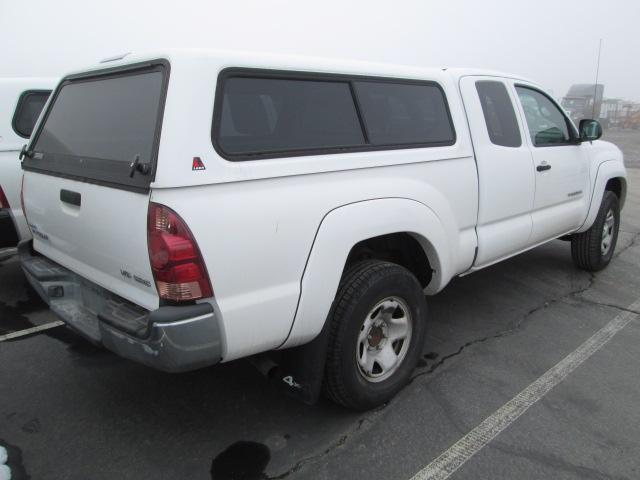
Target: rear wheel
[
  {"x": 592, "y": 250},
  {"x": 377, "y": 333}
]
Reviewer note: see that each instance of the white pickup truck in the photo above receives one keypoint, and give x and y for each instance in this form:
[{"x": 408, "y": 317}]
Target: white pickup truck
[
  {"x": 21, "y": 101},
  {"x": 195, "y": 207}
]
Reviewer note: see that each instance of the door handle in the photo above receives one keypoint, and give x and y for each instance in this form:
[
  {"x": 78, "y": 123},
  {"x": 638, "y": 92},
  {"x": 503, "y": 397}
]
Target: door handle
[
  {"x": 543, "y": 166},
  {"x": 72, "y": 198}
]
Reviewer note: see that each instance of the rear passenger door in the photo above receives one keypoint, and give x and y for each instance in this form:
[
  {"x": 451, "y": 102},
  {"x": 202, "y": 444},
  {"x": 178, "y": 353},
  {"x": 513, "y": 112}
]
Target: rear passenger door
[
  {"x": 505, "y": 168},
  {"x": 561, "y": 166}
]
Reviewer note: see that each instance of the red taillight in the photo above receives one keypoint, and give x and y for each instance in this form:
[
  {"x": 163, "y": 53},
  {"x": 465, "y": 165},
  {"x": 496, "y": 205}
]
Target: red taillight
[
  {"x": 4, "y": 203},
  {"x": 176, "y": 262}
]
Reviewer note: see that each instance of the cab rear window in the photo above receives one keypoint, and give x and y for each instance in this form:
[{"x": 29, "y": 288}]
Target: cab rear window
[{"x": 96, "y": 127}]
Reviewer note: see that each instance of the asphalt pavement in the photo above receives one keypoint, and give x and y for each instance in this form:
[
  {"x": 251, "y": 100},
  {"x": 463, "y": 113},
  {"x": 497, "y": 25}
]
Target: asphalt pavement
[{"x": 69, "y": 410}]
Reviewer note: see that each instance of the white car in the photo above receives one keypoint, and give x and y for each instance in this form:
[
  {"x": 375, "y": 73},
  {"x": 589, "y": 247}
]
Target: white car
[
  {"x": 195, "y": 207},
  {"x": 21, "y": 101}
]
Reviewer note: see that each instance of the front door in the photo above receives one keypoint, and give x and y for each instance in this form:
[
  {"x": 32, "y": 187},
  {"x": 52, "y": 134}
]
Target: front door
[{"x": 561, "y": 166}]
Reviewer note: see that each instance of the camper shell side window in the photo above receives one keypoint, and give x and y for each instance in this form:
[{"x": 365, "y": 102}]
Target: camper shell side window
[{"x": 274, "y": 114}]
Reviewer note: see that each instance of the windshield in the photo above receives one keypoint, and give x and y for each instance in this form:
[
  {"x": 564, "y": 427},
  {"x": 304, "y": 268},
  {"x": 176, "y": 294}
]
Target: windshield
[{"x": 96, "y": 127}]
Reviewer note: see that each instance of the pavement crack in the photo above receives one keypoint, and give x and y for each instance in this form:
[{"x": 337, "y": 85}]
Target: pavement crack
[
  {"x": 471, "y": 343},
  {"x": 444, "y": 358},
  {"x": 515, "y": 327},
  {"x": 339, "y": 443},
  {"x": 632, "y": 244},
  {"x": 609, "y": 305},
  {"x": 577, "y": 294}
]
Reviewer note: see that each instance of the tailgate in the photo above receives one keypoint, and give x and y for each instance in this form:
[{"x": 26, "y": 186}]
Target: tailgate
[
  {"x": 104, "y": 239},
  {"x": 88, "y": 174}
]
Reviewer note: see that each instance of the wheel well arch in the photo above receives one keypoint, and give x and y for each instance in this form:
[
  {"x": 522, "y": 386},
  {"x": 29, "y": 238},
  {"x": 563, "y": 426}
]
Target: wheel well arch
[
  {"x": 349, "y": 225},
  {"x": 617, "y": 185},
  {"x": 610, "y": 176},
  {"x": 402, "y": 248}
]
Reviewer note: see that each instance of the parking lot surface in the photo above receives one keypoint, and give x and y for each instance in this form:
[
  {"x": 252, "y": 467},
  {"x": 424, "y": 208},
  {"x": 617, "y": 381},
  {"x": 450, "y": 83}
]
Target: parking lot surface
[
  {"x": 628, "y": 141},
  {"x": 69, "y": 410}
]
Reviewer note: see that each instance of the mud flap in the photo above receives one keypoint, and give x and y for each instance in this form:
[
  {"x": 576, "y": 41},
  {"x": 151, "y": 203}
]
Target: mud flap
[{"x": 301, "y": 369}]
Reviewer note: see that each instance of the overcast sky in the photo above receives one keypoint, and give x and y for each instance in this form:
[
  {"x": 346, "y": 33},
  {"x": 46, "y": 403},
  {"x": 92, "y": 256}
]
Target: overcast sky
[{"x": 551, "y": 41}]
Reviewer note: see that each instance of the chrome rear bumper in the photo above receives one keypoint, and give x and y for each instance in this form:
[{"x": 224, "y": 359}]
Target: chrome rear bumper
[{"x": 171, "y": 338}]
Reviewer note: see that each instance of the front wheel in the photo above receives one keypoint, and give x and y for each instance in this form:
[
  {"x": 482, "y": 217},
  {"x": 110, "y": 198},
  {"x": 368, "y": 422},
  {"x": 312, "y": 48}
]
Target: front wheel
[
  {"x": 377, "y": 334},
  {"x": 592, "y": 250}
]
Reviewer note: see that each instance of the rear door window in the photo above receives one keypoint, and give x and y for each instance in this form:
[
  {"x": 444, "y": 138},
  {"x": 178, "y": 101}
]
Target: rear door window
[
  {"x": 28, "y": 110},
  {"x": 97, "y": 126},
  {"x": 405, "y": 114},
  {"x": 499, "y": 115},
  {"x": 267, "y": 115}
]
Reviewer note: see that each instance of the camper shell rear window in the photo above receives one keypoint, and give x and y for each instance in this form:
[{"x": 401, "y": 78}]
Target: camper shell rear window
[{"x": 98, "y": 124}]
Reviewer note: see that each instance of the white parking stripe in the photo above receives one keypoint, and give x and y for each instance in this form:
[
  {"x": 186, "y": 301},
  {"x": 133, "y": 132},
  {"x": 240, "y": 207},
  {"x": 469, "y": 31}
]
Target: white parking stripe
[
  {"x": 29, "y": 331},
  {"x": 465, "y": 448}
]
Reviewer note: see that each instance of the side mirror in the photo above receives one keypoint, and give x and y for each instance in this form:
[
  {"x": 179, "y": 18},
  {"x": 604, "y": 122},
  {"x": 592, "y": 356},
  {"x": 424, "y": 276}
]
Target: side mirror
[{"x": 590, "y": 130}]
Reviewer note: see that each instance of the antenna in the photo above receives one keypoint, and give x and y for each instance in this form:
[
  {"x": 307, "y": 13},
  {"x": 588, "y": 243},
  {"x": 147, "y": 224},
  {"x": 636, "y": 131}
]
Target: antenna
[{"x": 595, "y": 87}]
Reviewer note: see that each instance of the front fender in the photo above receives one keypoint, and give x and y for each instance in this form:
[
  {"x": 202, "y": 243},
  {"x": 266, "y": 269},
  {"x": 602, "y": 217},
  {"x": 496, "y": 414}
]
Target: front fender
[
  {"x": 606, "y": 171},
  {"x": 344, "y": 227}
]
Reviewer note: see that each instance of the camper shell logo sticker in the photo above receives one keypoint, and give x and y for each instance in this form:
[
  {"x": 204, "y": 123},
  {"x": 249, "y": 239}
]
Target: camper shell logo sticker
[{"x": 197, "y": 164}]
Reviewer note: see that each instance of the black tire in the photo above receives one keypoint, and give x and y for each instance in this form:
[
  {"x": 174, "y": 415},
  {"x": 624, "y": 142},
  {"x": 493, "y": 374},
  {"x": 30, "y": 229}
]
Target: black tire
[
  {"x": 586, "y": 248},
  {"x": 361, "y": 289}
]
